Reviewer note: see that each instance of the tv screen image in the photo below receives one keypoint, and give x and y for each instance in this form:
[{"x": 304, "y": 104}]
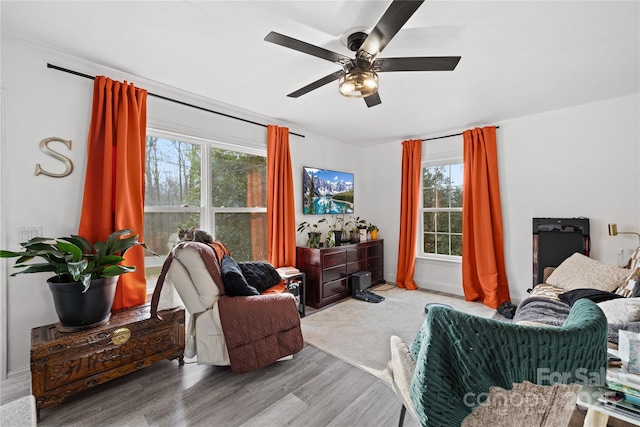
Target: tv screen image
[{"x": 326, "y": 191}]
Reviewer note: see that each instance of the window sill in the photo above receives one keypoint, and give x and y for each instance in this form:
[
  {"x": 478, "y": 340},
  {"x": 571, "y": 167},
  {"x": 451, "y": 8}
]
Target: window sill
[{"x": 439, "y": 260}]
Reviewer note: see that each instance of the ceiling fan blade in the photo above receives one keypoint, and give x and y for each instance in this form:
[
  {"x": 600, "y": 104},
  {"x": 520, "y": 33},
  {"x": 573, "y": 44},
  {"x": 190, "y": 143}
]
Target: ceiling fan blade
[
  {"x": 318, "y": 83},
  {"x": 373, "y": 100},
  {"x": 305, "y": 47},
  {"x": 393, "y": 19},
  {"x": 425, "y": 63}
]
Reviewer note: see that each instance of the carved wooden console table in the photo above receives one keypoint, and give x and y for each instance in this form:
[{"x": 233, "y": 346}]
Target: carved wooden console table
[{"x": 63, "y": 364}]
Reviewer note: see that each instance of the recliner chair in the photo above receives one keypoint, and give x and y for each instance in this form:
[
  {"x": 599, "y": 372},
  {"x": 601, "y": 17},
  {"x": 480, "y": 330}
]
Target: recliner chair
[{"x": 244, "y": 332}]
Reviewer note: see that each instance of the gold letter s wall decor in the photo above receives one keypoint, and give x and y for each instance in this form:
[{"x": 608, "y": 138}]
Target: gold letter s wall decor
[{"x": 44, "y": 146}]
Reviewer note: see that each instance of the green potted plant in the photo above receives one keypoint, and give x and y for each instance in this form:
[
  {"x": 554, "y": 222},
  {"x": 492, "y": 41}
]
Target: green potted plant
[
  {"x": 358, "y": 224},
  {"x": 86, "y": 275},
  {"x": 313, "y": 231},
  {"x": 330, "y": 241},
  {"x": 373, "y": 231},
  {"x": 338, "y": 229},
  {"x": 346, "y": 231}
]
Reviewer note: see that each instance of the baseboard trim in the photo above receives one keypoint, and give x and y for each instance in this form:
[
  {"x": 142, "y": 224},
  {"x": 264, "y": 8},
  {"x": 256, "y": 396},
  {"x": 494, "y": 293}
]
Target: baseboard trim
[
  {"x": 447, "y": 289},
  {"x": 14, "y": 373},
  {"x": 453, "y": 290}
]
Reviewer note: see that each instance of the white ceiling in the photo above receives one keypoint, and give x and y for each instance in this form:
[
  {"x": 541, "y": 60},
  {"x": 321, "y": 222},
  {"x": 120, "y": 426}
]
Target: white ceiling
[{"x": 518, "y": 58}]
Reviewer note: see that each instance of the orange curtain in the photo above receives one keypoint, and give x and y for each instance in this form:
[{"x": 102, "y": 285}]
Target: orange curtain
[
  {"x": 281, "y": 218},
  {"x": 409, "y": 213},
  {"x": 483, "y": 272},
  {"x": 114, "y": 181}
]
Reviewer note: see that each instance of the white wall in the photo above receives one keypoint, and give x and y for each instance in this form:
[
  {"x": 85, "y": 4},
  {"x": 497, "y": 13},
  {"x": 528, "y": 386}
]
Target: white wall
[
  {"x": 382, "y": 172},
  {"x": 325, "y": 153},
  {"x": 580, "y": 161},
  {"x": 42, "y": 103},
  {"x": 38, "y": 104}
]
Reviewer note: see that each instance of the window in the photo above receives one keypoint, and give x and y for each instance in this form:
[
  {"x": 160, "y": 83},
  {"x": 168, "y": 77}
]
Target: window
[
  {"x": 201, "y": 184},
  {"x": 238, "y": 203},
  {"x": 441, "y": 212}
]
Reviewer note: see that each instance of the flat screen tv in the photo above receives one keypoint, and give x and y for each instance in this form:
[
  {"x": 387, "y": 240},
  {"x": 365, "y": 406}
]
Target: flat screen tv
[{"x": 326, "y": 191}]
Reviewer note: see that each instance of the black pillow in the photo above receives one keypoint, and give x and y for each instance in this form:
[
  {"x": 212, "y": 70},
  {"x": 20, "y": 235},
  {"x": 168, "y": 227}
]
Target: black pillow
[
  {"x": 594, "y": 295},
  {"x": 235, "y": 285},
  {"x": 259, "y": 274}
]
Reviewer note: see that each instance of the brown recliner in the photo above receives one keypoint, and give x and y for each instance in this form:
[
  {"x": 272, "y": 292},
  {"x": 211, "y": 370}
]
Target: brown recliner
[{"x": 246, "y": 332}]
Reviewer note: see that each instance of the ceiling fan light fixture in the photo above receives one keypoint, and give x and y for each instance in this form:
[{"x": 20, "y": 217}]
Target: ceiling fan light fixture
[
  {"x": 359, "y": 83},
  {"x": 357, "y": 77}
]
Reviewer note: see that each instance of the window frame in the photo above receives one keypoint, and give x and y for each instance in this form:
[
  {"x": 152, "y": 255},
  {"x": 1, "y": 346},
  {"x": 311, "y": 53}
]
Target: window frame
[
  {"x": 206, "y": 211},
  {"x": 441, "y": 161}
]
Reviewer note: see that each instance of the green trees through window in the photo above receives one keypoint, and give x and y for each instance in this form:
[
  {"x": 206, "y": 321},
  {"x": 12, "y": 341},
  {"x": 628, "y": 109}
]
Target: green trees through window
[
  {"x": 442, "y": 209},
  {"x": 173, "y": 173},
  {"x": 172, "y": 191},
  {"x": 224, "y": 195},
  {"x": 238, "y": 183}
]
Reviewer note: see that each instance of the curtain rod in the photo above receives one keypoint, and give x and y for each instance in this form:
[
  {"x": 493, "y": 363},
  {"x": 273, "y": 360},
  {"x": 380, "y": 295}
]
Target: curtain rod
[
  {"x": 76, "y": 73},
  {"x": 448, "y": 136}
]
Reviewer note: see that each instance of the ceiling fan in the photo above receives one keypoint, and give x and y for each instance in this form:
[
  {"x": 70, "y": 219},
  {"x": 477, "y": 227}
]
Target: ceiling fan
[{"x": 359, "y": 76}]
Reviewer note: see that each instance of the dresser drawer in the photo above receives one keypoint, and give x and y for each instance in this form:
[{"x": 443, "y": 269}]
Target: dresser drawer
[
  {"x": 374, "y": 250},
  {"x": 334, "y": 273},
  {"x": 353, "y": 267},
  {"x": 356, "y": 254},
  {"x": 334, "y": 288},
  {"x": 333, "y": 259},
  {"x": 374, "y": 263}
]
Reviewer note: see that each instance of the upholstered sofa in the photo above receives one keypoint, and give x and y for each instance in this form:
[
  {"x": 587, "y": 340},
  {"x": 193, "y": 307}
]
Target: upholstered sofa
[
  {"x": 244, "y": 332},
  {"x": 616, "y": 291}
]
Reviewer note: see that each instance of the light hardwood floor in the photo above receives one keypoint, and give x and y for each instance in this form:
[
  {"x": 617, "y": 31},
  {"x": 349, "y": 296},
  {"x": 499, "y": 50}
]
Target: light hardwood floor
[{"x": 313, "y": 389}]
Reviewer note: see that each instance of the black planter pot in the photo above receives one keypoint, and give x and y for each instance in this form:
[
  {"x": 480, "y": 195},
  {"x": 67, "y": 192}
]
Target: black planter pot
[
  {"x": 77, "y": 310},
  {"x": 338, "y": 237}
]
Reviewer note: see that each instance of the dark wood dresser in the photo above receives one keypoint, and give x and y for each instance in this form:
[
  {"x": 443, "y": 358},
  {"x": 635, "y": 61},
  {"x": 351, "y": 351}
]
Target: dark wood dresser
[
  {"x": 328, "y": 270},
  {"x": 65, "y": 363}
]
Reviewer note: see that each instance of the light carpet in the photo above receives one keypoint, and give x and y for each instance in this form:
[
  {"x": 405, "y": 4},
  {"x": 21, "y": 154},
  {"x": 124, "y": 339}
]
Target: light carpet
[{"x": 358, "y": 332}]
